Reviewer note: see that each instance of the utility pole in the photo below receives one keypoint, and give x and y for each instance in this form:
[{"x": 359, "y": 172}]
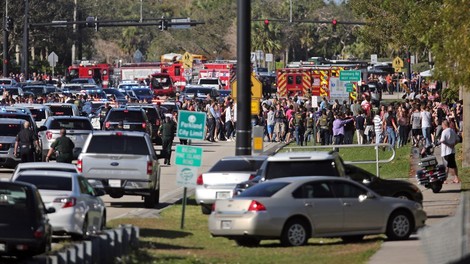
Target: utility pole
[
  {"x": 74, "y": 45},
  {"x": 141, "y": 13},
  {"x": 5, "y": 42},
  {"x": 290, "y": 11},
  {"x": 243, "y": 138},
  {"x": 25, "y": 62}
]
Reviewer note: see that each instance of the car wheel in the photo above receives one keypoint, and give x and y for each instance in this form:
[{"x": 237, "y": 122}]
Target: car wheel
[
  {"x": 352, "y": 239},
  {"x": 399, "y": 226},
  {"x": 247, "y": 242},
  {"x": 206, "y": 209},
  {"x": 103, "y": 222},
  {"x": 151, "y": 200},
  {"x": 295, "y": 233},
  {"x": 403, "y": 196},
  {"x": 84, "y": 233}
]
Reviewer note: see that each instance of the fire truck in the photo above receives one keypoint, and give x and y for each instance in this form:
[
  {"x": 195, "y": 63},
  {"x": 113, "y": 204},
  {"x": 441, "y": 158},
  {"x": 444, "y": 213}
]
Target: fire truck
[
  {"x": 100, "y": 72},
  {"x": 225, "y": 71},
  {"x": 162, "y": 84},
  {"x": 320, "y": 80},
  {"x": 139, "y": 71},
  {"x": 176, "y": 72}
]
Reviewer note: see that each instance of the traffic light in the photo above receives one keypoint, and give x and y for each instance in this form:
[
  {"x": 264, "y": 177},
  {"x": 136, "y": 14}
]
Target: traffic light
[
  {"x": 163, "y": 25},
  {"x": 9, "y": 24},
  {"x": 333, "y": 23},
  {"x": 266, "y": 24}
]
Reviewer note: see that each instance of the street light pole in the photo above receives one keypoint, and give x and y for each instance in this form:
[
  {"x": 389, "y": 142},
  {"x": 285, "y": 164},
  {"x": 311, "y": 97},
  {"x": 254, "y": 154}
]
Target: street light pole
[
  {"x": 5, "y": 42},
  {"x": 25, "y": 63},
  {"x": 141, "y": 14},
  {"x": 290, "y": 11},
  {"x": 74, "y": 45}
]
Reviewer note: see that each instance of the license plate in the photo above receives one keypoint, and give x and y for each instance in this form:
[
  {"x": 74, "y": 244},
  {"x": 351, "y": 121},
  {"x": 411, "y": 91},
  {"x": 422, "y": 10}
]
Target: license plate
[
  {"x": 222, "y": 195},
  {"x": 226, "y": 224},
  {"x": 2, "y": 247},
  {"x": 114, "y": 183},
  {"x": 126, "y": 126}
]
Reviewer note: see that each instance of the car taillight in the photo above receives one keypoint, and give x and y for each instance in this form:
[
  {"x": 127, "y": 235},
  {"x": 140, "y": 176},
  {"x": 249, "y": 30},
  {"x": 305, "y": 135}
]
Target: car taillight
[
  {"x": 107, "y": 125},
  {"x": 38, "y": 233},
  {"x": 144, "y": 125},
  {"x": 66, "y": 202},
  {"x": 149, "y": 167},
  {"x": 199, "y": 180},
  {"x": 80, "y": 165},
  {"x": 48, "y": 135},
  {"x": 256, "y": 206},
  {"x": 251, "y": 177}
]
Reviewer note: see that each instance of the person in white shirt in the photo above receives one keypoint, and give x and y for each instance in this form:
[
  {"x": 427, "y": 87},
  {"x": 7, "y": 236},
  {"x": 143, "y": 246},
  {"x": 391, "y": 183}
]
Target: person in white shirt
[
  {"x": 378, "y": 128},
  {"x": 448, "y": 141},
  {"x": 426, "y": 124}
]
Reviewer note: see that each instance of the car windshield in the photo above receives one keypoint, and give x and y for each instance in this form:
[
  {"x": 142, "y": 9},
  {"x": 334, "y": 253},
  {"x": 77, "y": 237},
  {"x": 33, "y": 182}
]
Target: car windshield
[
  {"x": 115, "y": 144},
  {"x": 142, "y": 92},
  {"x": 74, "y": 124},
  {"x": 12, "y": 196},
  {"x": 280, "y": 169},
  {"x": 266, "y": 189},
  {"x": 160, "y": 82},
  {"x": 61, "y": 110},
  {"x": 237, "y": 165},
  {"x": 37, "y": 90},
  {"x": 38, "y": 114},
  {"x": 125, "y": 115},
  {"x": 209, "y": 81},
  {"x": 44, "y": 182},
  {"x": 9, "y": 130}
]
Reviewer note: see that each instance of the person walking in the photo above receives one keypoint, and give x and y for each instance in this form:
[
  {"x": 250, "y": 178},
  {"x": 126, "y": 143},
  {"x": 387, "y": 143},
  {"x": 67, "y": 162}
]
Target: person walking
[
  {"x": 63, "y": 146},
  {"x": 167, "y": 133},
  {"x": 338, "y": 128},
  {"x": 426, "y": 124},
  {"x": 360, "y": 127},
  {"x": 25, "y": 141},
  {"x": 448, "y": 141}
]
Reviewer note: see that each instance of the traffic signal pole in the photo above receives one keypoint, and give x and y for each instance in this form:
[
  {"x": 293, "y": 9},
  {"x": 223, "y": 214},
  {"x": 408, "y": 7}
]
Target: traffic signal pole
[
  {"x": 243, "y": 129},
  {"x": 5, "y": 47}
]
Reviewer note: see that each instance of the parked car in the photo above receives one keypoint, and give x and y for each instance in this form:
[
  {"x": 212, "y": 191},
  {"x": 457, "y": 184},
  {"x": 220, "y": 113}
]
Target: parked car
[
  {"x": 294, "y": 209},
  {"x": 39, "y": 112},
  {"x": 25, "y": 229},
  {"x": 122, "y": 163},
  {"x": 79, "y": 211},
  {"x": 219, "y": 181},
  {"x": 133, "y": 119},
  {"x": 200, "y": 93},
  {"x": 62, "y": 109},
  {"x": 78, "y": 128},
  {"x": 9, "y": 129}
]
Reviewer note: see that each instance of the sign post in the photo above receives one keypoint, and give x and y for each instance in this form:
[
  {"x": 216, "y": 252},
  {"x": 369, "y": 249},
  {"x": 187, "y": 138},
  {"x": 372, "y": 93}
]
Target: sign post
[
  {"x": 52, "y": 59},
  {"x": 191, "y": 125}
]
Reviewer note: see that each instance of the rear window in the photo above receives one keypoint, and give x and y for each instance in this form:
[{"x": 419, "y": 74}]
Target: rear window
[
  {"x": 15, "y": 116},
  {"x": 48, "y": 182},
  {"x": 151, "y": 113},
  {"x": 38, "y": 114},
  {"x": 13, "y": 196},
  {"x": 115, "y": 144},
  {"x": 236, "y": 165},
  {"x": 77, "y": 124},
  {"x": 142, "y": 91},
  {"x": 9, "y": 130},
  {"x": 125, "y": 115},
  {"x": 61, "y": 110},
  {"x": 35, "y": 90},
  {"x": 300, "y": 168},
  {"x": 265, "y": 189},
  {"x": 209, "y": 81}
]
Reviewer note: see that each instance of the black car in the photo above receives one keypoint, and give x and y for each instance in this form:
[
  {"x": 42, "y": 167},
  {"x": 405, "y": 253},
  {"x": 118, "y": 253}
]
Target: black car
[
  {"x": 24, "y": 230},
  {"x": 155, "y": 118},
  {"x": 133, "y": 119}
]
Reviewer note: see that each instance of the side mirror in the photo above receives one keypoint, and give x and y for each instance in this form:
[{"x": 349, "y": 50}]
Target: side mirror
[
  {"x": 366, "y": 181},
  {"x": 50, "y": 210},
  {"x": 364, "y": 197}
]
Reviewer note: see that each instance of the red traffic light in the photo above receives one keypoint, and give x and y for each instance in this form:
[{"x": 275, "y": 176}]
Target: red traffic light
[
  {"x": 334, "y": 22},
  {"x": 266, "y": 22}
]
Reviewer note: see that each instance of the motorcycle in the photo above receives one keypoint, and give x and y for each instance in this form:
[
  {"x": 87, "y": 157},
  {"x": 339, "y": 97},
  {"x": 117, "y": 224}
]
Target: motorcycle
[{"x": 431, "y": 175}]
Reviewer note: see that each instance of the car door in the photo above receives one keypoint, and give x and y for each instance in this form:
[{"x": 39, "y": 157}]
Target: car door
[
  {"x": 366, "y": 215},
  {"x": 325, "y": 210},
  {"x": 94, "y": 204}
]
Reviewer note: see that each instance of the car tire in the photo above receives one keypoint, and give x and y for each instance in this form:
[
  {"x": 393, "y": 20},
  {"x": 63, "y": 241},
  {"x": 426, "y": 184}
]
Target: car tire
[
  {"x": 84, "y": 233},
  {"x": 206, "y": 209},
  {"x": 151, "y": 200},
  {"x": 400, "y": 225},
  {"x": 352, "y": 239},
  {"x": 247, "y": 242},
  {"x": 403, "y": 195},
  {"x": 103, "y": 222},
  {"x": 295, "y": 233},
  {"x": 436, "y": 187}
]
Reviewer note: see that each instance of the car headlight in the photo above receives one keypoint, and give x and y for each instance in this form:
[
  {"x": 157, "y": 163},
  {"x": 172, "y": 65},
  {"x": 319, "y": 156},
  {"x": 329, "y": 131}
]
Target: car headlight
[{"x": 418, "y": 206}]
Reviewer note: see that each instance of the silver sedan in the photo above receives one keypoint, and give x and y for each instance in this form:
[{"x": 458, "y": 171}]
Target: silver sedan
[
  {"x": 295, "y": 209},
  {"x": 79, "y": 211}
]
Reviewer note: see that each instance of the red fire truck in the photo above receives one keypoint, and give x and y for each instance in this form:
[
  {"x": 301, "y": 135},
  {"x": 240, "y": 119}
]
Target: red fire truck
[
  {"x": 162, "y": 84},
  {"x": 225, "y": 71},
  {"x": 100, "y": 72},
  {"x": 139, "y": 71},
  {"x": 176, "y": 72}
]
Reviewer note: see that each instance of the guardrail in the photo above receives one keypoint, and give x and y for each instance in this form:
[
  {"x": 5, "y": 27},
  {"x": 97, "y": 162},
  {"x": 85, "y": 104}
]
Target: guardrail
[
  {"x": 105, "y": 247},
  {"x": 375, "y": 146}
]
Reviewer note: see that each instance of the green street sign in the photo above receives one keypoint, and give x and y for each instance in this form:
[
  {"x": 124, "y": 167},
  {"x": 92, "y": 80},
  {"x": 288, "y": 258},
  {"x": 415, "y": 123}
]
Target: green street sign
[
  {"x": 350, "y": 76},
  {"x": 191, "y": 125},
  {"x": 349, "y": 87},
  {"x": 188, "y": 156}
]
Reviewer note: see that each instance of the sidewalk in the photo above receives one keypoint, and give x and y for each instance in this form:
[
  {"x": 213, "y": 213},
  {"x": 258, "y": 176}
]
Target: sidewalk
[{"x": 438, "y": 206}]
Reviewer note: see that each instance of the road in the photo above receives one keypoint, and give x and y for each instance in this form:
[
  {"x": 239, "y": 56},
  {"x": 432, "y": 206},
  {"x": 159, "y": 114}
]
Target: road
[{"x": 170, "y": 192}]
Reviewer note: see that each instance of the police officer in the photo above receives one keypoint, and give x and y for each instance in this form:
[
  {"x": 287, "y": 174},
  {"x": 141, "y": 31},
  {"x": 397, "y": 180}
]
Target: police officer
[
  {"x": 103, "y": 113},
  {"x": 167, "y": 133},
  {"x": 25, "y": 142},
  {"x": 64, "y": 146},
  {"x": 300, "y": 124}
]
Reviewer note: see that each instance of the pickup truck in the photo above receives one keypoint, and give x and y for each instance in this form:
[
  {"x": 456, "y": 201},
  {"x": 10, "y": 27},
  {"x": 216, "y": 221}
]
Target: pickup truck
[
  {"x": 122, "y": 163},
  {"x": 210, "y": 82}
]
